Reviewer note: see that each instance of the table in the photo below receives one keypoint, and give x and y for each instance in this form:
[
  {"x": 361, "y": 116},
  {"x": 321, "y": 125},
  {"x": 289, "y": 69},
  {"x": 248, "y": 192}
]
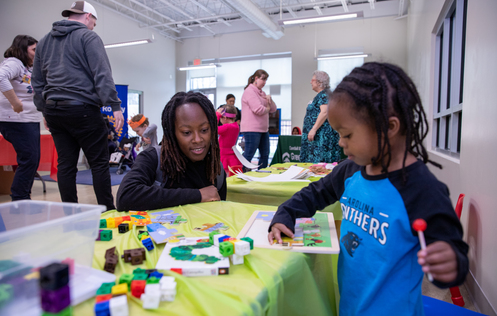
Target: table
[
  {"x": 48, "y": 158},
  {"x": 270, "y": 282},
  {"x": 288, "y": 149}
]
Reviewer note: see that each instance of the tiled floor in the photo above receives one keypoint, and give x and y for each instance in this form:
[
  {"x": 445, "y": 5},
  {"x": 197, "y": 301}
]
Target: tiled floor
[{"x": 87, "y": 196}]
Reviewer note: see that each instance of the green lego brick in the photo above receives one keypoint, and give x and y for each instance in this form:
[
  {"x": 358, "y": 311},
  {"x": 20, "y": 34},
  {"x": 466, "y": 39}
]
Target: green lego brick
[
  {"x": 139, "y": 271},
  {"x": 106, "y": 235},
  {"x": 6, "y": 293},
  {"x": 211, "y": 236},
  {"x": 249, "y": 240},
  {"x": 140, "y": 276},
  {"x": 103, "y": 223},
  {"x": 153, "y": 280},
  {"x": 126, "y": 278},
  {"x": 226, "y": 248},
  {"x": 65, "y": 312}
]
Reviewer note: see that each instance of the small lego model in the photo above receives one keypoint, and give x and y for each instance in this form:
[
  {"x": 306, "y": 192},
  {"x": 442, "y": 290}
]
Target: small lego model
[
  {"x": 134, "y": 256},
  {"x": 111, "y": 259},
  {"x": 54, "y": 288}
]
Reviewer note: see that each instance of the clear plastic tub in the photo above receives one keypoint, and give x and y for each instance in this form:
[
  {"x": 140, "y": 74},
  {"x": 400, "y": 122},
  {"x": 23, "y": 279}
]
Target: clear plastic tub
[{"x": 34, "y": 234}]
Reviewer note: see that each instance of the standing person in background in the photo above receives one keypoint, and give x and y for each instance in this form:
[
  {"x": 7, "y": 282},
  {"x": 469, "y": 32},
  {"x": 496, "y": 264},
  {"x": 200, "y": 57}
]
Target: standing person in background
[
  {"x": 230, "y": 100},
  {"x": 228, "y": 135},
  {"x": 256, "y": 106},
  {"x": 319, "y": 140},
  {"x": 72, "y": 80},
  {"x": 19, "y": 118}
]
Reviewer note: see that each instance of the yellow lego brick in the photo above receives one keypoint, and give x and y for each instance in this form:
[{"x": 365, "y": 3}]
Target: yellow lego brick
[
  {"x": 129, "y": 223},
  {"x": 144, "y": 237},
  {"x": 111, "y": 222},
  {"x": 120, "y": 289}
]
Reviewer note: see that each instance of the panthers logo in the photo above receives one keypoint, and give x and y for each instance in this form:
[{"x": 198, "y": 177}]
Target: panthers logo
[{"x": 351, "y": 241}]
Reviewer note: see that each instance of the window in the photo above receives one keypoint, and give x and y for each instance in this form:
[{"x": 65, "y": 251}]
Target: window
[
  {"x": 449, "y": 73},
  {"x": 339, "y": 68},
  {"x": 135, "y": 106}
]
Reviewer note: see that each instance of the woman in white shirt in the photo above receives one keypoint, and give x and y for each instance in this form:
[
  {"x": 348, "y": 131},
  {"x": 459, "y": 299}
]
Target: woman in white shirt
[{"x": 19, "y": 118}]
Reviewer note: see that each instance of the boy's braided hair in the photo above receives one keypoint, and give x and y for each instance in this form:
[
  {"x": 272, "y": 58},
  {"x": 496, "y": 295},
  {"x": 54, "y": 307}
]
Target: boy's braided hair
[
  {"x": 173, "y": 161},
  {"x": 382, "y": 90}
]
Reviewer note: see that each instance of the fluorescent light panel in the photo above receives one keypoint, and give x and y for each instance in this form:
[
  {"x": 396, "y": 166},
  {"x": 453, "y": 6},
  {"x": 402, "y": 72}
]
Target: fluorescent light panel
[
  {"x": 197, "y": 67},
  {"x": 130, "y": 43},
  {"x": 343, "y": 56},
  {"x": 320, "y": 19}
]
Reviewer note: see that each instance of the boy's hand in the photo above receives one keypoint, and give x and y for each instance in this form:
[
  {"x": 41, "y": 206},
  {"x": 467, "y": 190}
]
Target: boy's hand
[
  {"x": 439, "y": 259},
  {"x": 276, "y": 231}
]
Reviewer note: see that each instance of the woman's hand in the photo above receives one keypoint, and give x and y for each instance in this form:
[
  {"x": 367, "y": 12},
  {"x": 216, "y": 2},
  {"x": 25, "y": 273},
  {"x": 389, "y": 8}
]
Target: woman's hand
[
  {"x": 276, "y": 231},
  {"x": 17, "y": 107},
  {"x": 209, "y": 194},
  {"x": 311, "y": 135}
]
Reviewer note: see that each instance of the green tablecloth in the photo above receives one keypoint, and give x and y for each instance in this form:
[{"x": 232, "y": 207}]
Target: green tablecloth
[
  {"x": 288, "y": 149},
  {"x": 270, "y": 282}
]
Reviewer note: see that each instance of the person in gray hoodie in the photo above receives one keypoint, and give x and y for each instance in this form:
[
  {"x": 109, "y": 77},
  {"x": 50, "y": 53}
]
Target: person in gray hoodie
[{"x": 72, "y": 80}]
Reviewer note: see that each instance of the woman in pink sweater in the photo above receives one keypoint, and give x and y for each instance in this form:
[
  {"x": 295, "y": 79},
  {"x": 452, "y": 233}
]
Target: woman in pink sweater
[{"x": 256, "y": 106}]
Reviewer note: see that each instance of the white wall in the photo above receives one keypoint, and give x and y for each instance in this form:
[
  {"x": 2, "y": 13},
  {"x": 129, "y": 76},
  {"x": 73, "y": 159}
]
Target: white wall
[
  {"x": 384, "y": 38},
  {"x": 474, "y": 173},
  {"x": 149, "y": 68}
]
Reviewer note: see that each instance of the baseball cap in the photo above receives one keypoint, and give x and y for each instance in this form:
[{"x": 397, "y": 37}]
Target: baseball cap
[{"x": 80, "y": 7}]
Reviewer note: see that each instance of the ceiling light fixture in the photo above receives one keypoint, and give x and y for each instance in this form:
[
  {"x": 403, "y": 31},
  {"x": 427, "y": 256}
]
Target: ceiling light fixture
[
  {"x": 343, "y": 56},
  {"x": 130, "y": 43},
  {"x": 197, "y": 67},
  {"x": 321, "y": 19}
]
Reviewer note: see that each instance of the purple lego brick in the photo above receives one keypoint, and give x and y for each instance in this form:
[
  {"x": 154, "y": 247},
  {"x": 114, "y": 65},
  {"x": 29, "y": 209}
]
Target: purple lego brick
[{"x": 55, "y": 301}]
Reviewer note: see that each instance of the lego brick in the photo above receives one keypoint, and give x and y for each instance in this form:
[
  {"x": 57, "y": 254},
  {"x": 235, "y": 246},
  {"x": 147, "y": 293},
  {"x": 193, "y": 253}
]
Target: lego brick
[
  {"x": 138, "y": 287},
  {"x": 104, "y": 289},
  {"x": 242, "y": 248},
  {"x": 226, "y": 248},
  {"x": 54, "y": 276},
  {"x": 65, "y": 312},
  {"x": 103, "y": 223},
  {"x": 152, "y": 288},
  {"x": 236, "y": 259},
  {"x": 150, "y": 271},
  {"x": 111, "y": 263},
  {"x": 54, "y": 301},
  {"x": 126, "y": 218},
  {"x": 106, "y": 235},
  {"x": 110, "y": 252},
  {"x": 120, "y": 289},
  {"x": 134, "y": 256},
  {"x": 211, "y": 236},
  {"x": 140, "y": 276},
  {"x": 118, "y": 221},
  {"x": 123, "y": 228},
  {"x": 140, "y": 271},
  {"x": 150, "y": 300},
  {"x": 216, "y": 239},
  {"x": 103, "y": 298},
  {"x": 156, "y": 274},
  {"x": 126, "y": 278},
  {"x": 148, "y": 243},
  {"x": 250, "y": 241},
  {"x": 119, "y": 306},
  {"x": 152, "y": 280},
  {"x": 102, "y": 309},
  {"x": 111, "y": 222},
  {"x": 6, "y": 293}
]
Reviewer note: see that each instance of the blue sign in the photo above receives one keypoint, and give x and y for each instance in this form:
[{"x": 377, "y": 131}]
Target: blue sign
[{"x": 122, "y": 93}]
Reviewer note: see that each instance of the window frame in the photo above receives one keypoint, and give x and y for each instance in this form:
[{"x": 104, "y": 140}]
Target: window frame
[{"x": 449, "y": 32}]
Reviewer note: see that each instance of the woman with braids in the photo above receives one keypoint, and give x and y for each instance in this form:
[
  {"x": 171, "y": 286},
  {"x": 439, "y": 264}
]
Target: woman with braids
[
  {"x": 256, "y": 106},
  {"x": 383, "y": 186},
  {"x": 186, "y": 168}
]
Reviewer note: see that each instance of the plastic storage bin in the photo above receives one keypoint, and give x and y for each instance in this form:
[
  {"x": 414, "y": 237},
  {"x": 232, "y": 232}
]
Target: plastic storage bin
[{"x": 34, "y": 234}]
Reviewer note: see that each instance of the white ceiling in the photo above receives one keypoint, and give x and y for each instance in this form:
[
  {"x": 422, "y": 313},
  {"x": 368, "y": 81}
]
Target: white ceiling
[{"x": 183, "y": 19}]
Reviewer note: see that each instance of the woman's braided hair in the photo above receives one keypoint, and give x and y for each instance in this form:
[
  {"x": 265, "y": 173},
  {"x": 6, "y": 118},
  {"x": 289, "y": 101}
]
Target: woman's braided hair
[
  {"x": 173, "y": 161},
  {"x": 382, "y": 90}
]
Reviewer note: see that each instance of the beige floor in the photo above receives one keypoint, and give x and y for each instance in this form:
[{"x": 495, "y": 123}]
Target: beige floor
[{"x": 87, "y": 196}]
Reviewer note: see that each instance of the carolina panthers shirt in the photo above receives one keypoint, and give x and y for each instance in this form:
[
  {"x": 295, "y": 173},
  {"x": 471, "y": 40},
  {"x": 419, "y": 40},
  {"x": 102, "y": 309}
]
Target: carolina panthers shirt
[{"x": 378, "y": 272}]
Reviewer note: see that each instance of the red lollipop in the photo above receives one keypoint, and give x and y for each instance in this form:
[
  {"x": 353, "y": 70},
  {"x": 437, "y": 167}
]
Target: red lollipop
[{"x": 419, "y": 225}]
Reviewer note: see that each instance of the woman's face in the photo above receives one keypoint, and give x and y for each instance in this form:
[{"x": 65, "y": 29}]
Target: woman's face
[
  {"x": 260, "y": 82},
  {"x": 295, "y": 132},
  {"x": 31, "y": 53},
  {"x": 193, "y": 131},
  {"x": 316, "y": 86}
]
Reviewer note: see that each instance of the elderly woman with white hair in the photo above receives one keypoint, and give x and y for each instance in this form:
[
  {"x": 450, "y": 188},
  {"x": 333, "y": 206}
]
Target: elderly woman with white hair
[{"x": 319, "y": 140}]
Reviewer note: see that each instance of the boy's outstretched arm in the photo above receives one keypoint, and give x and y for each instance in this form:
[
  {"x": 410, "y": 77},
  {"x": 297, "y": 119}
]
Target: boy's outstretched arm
[
  {"x": 439, "y": 259},
  {"x": 276, "y": 231}
]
